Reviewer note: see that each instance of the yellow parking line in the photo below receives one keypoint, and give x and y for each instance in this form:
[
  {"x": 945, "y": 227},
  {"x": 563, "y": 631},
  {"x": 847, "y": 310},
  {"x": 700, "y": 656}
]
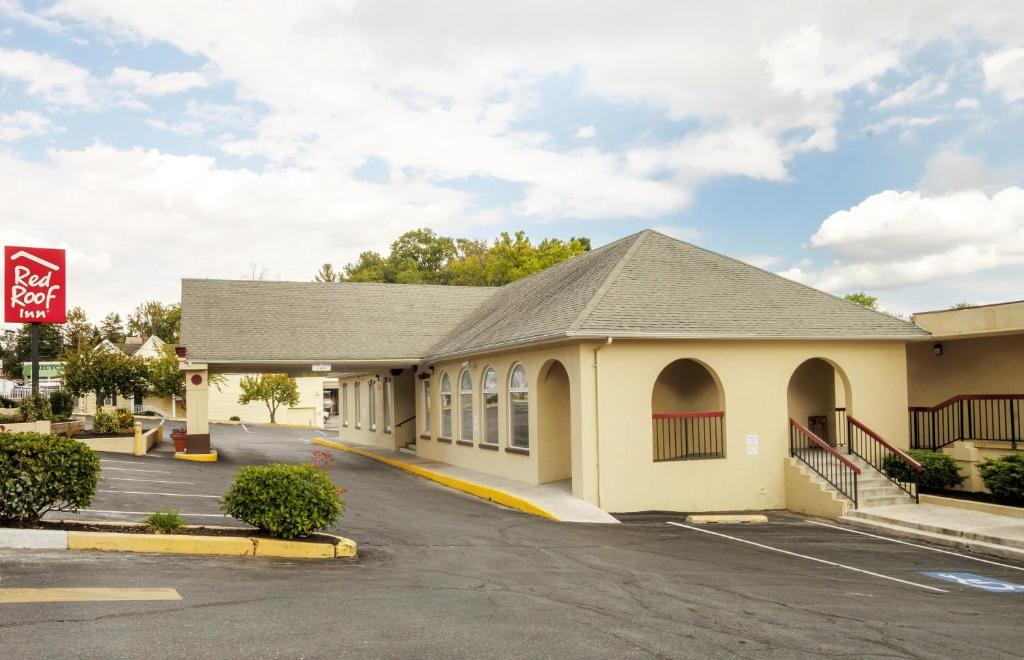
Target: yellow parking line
[{"x": 72, "y": 595}]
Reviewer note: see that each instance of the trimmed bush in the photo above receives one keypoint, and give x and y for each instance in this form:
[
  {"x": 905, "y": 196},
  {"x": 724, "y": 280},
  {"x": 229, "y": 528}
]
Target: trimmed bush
[
  {"x": 8, "y": 419},
  {"x": 62, "y": 403},
  {"x": 284, "y": 500},
  {"x": 41, "y": 473},
  {"x": 234, "y": 418},
  {"x": 939, "y": 473},
  {"x": 34, "y": 408},
  {"x": 124, "y": 419},
  {"x": 104, "y": 423},
  {"x": 1004, "y": 477}
]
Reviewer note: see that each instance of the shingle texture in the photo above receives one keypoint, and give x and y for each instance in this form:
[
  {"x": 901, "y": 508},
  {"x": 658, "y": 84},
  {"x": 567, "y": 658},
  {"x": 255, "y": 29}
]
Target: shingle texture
[
  {"x": 225, "y": 320},
  {"x": 647, "y": 284}
]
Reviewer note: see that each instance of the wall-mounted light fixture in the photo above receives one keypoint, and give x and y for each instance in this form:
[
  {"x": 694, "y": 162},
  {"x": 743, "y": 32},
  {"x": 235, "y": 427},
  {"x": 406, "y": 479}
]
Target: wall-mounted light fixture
[{"x": 937, "y": 349}]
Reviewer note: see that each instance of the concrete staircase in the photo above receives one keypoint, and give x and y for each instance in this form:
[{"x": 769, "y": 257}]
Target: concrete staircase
[{"x": 874, "y": 489}]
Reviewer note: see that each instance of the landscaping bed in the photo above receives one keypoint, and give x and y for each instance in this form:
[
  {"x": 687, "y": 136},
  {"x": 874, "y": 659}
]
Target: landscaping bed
[
  {"x": 187, "y": 530},
  {"x": 986, "y": 498}
]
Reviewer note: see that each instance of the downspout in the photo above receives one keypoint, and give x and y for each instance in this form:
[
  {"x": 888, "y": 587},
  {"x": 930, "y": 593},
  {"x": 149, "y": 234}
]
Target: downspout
[{"x": 597, "y": 416}]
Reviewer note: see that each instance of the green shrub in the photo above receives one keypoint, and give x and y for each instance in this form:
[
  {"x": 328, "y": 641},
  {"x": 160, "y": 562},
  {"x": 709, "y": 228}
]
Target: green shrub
[
  {"x": 939, "y": 473},
  {"x": 125, "y": 420},
  {"x": 104, "y": 423},
  {"x": 165, "y": 522},
  {"x": 1004, "y": 477},
  {"x": 34, "y": 408},
  {"x": 41, "y": 473},
  {"x": 62, "y": 403},
  {"x": 284, "y": 500},
  {"x": 7, "y": 403},
  {"x": 234, "y": 418},
  {"x": 8, "y": 419}
]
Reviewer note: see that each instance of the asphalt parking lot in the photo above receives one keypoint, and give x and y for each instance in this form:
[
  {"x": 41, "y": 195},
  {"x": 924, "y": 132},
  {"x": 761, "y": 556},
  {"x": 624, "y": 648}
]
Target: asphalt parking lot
[{"x": 442, "y": 574}]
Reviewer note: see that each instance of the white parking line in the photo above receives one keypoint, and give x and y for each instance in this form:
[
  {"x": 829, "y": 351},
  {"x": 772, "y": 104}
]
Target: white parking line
[
  {"x": 146, "y": 492},
  {"x": 135, "y": 470},
  {"x": 915, "y": 545},
  {"x": 146, "y": 513},
  {"x": 245, "y": 429},
  {"x": 148, "y": 481},
  {"x": 816, "y": 559}
]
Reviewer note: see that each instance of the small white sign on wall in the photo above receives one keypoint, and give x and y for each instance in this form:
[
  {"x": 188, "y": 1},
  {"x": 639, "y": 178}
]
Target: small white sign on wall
[{"x": 752, "y": 444}]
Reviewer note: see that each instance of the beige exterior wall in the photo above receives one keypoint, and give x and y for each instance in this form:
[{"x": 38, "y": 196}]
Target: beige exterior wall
[
  {"x": 971, "y": 453},
  {"x": 223, "y": 403},
  {"x": 982, "y": 320},
  {"x": 551, "y": 455},
  {"x": 403, "y": 426},
  {"x": 982, "y": 365},
  {"x": 807, "y": 493}
]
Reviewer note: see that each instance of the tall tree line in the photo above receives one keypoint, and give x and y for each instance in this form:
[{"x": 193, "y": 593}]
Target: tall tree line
[{"x": 422, "y": 256}]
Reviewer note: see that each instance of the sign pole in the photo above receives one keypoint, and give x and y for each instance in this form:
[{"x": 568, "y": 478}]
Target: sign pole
[{"x": 35, "y": 359}]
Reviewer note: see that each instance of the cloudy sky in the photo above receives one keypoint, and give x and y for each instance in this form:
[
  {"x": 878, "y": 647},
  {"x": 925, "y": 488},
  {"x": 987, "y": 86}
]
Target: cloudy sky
[{"x": 851, "y": 145}]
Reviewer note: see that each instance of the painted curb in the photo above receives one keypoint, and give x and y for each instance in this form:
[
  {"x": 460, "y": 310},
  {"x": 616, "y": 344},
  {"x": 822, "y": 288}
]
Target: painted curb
[
  {"x": 727, "y": 518},
  {"x": 33, "y": 539},
  {"x": 177, "y": 544},
  {"x": 201, "y": 458},
  {"x": 475, "y": 489},
  {"x": 971, "y": 505}
]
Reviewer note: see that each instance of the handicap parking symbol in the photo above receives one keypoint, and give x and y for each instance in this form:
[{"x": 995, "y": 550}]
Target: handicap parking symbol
[{"x": 979, "y": 582}]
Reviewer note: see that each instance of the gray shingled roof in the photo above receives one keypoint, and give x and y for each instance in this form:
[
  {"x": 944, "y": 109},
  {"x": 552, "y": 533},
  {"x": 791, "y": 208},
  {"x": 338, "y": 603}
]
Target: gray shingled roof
[
  {"x": 250, "y": 321},
  {"x": 644, "y": 285},
  {"x": 649, "y": 284}
]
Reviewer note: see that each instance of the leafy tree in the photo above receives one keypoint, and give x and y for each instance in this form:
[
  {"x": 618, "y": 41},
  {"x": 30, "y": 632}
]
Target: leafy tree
[
  {"x": 370, "y": 267},
  {"x": 327, "y": 274},
  {"x": 863, "y": 299},
  {"x": 104, "y": 372},
  {"x": 153, "y": 318},
  {"x": 274, "y": 390},
  {"x": 962, "y": 305},
  {"x": 77, "y": 330},
  {"x": 164, "y": 376},
  {"x": 51, "y": 345},
  {"x": 112, "y": 328}
]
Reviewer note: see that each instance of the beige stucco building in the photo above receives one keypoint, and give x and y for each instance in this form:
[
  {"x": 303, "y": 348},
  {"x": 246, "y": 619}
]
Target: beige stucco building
[{"x": 648, "y": 374}]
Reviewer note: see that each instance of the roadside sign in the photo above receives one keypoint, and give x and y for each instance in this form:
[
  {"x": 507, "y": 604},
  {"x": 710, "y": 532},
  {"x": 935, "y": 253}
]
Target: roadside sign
[
  {"x": 34, "y": 285},
  {"x": 979, "y": 582},
  {"x": 321, "y": 367}
]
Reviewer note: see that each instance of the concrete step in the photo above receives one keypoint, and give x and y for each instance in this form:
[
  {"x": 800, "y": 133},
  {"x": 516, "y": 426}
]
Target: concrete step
[
  {"x": 407, "y": 450},
  {"x": 885, "y": 500},
  {"x": 879, "y": 491},
  {"x": 950, "y": 540},
  {"x": 881, "y": 517}
]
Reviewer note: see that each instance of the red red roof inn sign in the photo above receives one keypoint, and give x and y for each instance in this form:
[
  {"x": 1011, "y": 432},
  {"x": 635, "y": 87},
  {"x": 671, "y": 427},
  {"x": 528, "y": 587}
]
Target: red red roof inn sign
[{"x": 34, "y": 285}]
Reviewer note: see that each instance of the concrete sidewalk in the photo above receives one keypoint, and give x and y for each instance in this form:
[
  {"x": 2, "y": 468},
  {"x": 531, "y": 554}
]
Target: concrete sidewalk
[
  {"x": 952, "y": 526},
  {"x": 553, "y": 500}
]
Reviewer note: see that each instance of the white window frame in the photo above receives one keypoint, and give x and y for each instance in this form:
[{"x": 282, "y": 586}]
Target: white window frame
[
  {"x": 446, "y": 407},
  {"x": 513, "y": 392},
  {"x": 484, "y": 394},
  {"x": 425, "y": 390},
  {"x": 358, "y": 405},
  {"x": 388, "y": 395},
  {"x": 466, "y": 399},
  {"x": 371, "y": 402}
]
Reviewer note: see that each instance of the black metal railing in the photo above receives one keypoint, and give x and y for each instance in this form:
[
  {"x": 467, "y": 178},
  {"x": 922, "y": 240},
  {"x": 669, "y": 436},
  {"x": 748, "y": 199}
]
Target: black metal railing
[
  {"x": 993, "y": 417},
  {"x": 893, "y": 463},
  {"x": 841, "y": 427},
  {"x": 688, "y": 436},
  {"x": 823, "y": 459}
]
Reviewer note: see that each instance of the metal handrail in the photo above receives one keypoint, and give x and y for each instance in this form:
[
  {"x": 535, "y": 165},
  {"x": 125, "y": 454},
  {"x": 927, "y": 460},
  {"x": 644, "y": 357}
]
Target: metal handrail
[
  {"x": 406, "y": 421},
  {"x": 885, "y": 443},
  {"x": 833, "y": 467},
  {"x": 995, "y": 417},
  {"x": 876, "y": 454},
  {"x": 679, "y": 436},
  {"x": 687, "y": 415},
  {"x": 965, "y": 397}
]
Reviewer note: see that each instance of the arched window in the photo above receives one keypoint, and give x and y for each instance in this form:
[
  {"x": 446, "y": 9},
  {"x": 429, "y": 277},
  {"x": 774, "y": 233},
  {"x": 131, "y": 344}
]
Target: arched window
[
  {"x": 489, "y": 399},
  {"x": 465, "y": 407},
  {"x": 446, "y": 406},
  {"x": 426, "y": 407},
  {"x": 371, "y": 390},
  {"x": 359, "y": 407},
  {"x": 344, "y": 404},
  {"x": 519, "y": 408}
]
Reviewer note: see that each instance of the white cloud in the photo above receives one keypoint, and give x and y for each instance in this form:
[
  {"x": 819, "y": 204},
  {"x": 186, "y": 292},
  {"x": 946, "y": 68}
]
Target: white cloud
[
  {"x": 163, "y": 217},
  {"x": 49, "y": 78},
  {"x": 586, "y": 132},
  {"x": 762, "y": 260},
  {"x": 966, "y": 103},
  {"x": 149, "y": 84},
  {"x": 22, "y": 124},
  {"x": 179, "y": 127},
  {"x": 904, "y": 123},
  {"x": 897, "y": 239},
  {"x": 920, "y": 90},
  {"x": 951, "y": 171},
  {"x": 1004, "y": 73}
]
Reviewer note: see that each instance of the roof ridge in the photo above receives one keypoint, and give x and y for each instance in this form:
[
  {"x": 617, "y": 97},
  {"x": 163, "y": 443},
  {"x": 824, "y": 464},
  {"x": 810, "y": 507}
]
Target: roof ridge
[
  {"x": 608, "y": 280},
  {"x": 782, "y": 278}
]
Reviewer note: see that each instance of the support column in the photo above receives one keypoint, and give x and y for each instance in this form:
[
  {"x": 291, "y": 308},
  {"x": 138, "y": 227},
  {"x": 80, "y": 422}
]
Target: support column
[{"x": 197, "y": 404}]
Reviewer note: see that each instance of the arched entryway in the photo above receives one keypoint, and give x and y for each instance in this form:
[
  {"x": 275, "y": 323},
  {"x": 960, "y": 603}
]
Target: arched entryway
[
  {"x": 818, "y": 398},
  {"x": 687, "y": 413},
  {"x": 554, "y": 424}
]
